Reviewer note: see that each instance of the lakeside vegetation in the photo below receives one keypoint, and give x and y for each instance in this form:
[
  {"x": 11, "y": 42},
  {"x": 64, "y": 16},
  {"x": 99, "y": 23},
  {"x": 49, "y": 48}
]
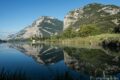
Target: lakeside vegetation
[
  {"x": 89, "y": 40},
  {"x": 95, "y": 40}
]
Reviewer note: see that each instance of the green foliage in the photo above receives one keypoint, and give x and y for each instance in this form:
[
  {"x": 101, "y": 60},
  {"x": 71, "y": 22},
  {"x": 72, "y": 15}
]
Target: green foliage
[
  {"x": 69, "y": 33},
  {"x": 87, "y": 30},
  {"x": 91, "y": 8},
  {"x": 84, "y": 30},
  {"x": 90, "y": 40},
  {"x": 117, "y": 29}
]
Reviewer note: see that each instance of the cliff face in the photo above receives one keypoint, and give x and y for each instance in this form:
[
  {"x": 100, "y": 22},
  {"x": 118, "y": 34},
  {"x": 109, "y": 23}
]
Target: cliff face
[
  {"x": 43, "y": 27},
  {"x": 105, "y": 16}
]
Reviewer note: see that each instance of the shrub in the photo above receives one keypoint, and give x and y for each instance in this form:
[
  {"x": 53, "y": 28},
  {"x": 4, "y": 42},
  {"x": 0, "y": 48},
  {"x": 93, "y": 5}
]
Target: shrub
[
  {"x": 69, "y": 33},
  {"x": 117, "y": 29},
  {"x": 87, "y": 30}
]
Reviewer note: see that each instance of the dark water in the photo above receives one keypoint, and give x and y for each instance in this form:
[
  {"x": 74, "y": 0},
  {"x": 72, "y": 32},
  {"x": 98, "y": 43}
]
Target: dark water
[{"x": 50, "y": 62}]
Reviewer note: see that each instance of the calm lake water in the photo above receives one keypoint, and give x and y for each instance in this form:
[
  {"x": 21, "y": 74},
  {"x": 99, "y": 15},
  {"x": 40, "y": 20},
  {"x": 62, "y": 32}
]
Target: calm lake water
[{"x": 53, "y": 62}]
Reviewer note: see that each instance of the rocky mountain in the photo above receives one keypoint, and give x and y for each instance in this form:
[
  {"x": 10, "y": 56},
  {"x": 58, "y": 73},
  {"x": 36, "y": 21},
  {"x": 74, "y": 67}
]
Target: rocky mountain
[
  {"x": 106, "y": 17},
  {"x": 45, "y": 26}
]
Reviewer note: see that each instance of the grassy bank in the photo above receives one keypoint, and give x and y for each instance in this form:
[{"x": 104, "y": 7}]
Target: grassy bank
[{"x": 90, "y": 40}]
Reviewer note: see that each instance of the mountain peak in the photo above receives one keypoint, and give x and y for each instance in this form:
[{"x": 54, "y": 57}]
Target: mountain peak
[
  {"x": 44, "y": 26},
  {"x": 46, "y": 17},
  {"x": 94, "y": 4}
]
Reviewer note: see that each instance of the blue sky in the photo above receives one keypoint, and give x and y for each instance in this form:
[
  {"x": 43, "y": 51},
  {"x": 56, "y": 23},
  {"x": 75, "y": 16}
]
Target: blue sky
[{"x": 17, "y": 14}]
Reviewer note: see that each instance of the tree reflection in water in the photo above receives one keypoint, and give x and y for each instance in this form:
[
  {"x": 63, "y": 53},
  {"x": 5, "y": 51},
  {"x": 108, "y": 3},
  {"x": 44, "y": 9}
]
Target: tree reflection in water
[{"x": 94, "y": 62}]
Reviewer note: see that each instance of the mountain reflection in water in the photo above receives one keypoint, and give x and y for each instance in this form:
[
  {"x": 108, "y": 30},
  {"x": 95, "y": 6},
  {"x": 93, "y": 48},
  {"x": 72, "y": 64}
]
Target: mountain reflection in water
[
  {"x": 51, "y": 62},
  {"x": 43, "y": 54}
]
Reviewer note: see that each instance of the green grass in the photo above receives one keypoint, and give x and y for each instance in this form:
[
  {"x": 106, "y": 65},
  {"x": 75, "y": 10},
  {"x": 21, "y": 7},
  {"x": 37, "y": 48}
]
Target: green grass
[
  {"x": 93, "y": 40},
  {"x": 90, "y": 40}
]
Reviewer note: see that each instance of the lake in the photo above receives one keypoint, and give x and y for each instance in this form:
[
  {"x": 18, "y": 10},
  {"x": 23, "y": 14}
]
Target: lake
[{"x": 25, "y": 61}]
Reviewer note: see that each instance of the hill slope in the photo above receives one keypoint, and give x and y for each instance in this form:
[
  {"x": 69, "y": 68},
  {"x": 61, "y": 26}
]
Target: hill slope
[{"x": 105, "y": 17}]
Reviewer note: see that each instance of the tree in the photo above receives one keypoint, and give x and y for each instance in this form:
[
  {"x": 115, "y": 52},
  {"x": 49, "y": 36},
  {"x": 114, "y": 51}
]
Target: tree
[
  {"x": 87, "y": 30},
  {"x": 117, "y": 29},
  {"x": 69, "y": 33}
]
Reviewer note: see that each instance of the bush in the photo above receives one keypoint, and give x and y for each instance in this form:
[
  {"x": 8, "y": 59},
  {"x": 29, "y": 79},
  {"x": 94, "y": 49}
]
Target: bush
[
  {"x": 69, "y": 33},
  {"x": 117, "y": 29},
  {"x": 87, "y": 30}
]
